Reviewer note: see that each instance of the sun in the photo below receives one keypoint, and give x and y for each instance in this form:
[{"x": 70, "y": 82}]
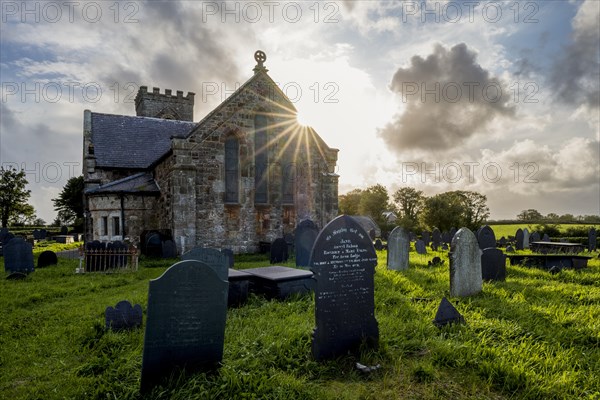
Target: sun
[{"x": 302, "y": 119}]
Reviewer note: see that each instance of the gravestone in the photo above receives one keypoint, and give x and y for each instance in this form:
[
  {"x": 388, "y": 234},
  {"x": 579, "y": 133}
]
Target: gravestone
[
  {"x": 420, "y": 247},
  {"x": 289, "y": 239},
  {"x": 228, "y": 253},
  {"x": 592, "y": 238},
  {"x": 212, "y": 257},
  {"x": 519, "y": 237},
  {"x": 445, "y": 246},
  {"x": 534, "y": 237},
  {"x": 39, "y": 234},
  {"x": 425, "y": 237},
  {"x": 510, "y": 249},
  {"x": 117, "y": 259},
  {"x": 434, "y": 246},
  {"x": 502, "y": 241},
  {"x": 435, "y": 261},
  {"x": 545, "y": 238},
  {"x": 185, "y": 322},
  {"x": 446, "y": 238},
  {"x": 493, "y": 265},
  {"x": 398, "y": 249},
  {"x": 18, "y": 256},
  {"x": 169, "y": 249},
  {"x": 278, "y": 282},
  {"x": 525, "y": 238},
  {"x": 153, "y": 245},
  {"x": 378, "y": 245},
  {"x": 452, "y": 233},
  {"x": 47, "y": 258},
  {"x": 343, "y": 261},
  {"x": 447, "y": 314},
  {"x": 305, "y": 236},
  {"x": 436, "y": 237},
  {"x": 486, "y": 237},
  {"x": 279, "y": 251},
  {"x": 465, "y": 264},
  {"x": 123, "y": 316}
]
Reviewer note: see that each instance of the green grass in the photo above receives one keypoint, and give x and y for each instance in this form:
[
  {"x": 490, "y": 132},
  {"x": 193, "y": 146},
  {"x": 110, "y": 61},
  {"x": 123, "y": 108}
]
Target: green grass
[
  {"x": 510, "y": 229},
  {"x": 535, "y": 336}
]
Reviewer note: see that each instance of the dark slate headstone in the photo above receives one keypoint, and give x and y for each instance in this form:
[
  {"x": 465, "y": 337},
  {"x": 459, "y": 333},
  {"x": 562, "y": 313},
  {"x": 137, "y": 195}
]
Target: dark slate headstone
[
  {"x": 18, "y": 256},
  {"x": 228, "y": 253},
  {"x": 434, "y": 246},
  {"x": 169, "y": 249},
  {"x": 239, "y": 283},
  {"x": 435, "y": 261},
  {"x": 420, "y": 247},
  {"x": 447, "y": 314},
  {"x": 486, "y": 237},
  {"x": 545, "y": 238},
  {"x": 378, "y": 245},
  {"x": 465, "y": 264},
  {"x": 123, "y": 316},
  {"x": 398, "y": 249},
  {"x": 64, "y": 230},
  {"x": 510, "y": 249},
  {"x": 519, "y": 239},
  {"x": 493, "y": 265},
  {"x": 534, "y": 237},
  {"x": 425, "y": 237},
  {"x": 185, "y": 322},
  {"x": 280, "y": 282},
  {"x": 412, "y": 235},
  {"x": 212, "y": 257},
  {"x": 47, "y": 258},
  {"x": 306, "y": 234},
  {"x": 436, "y": 237},
  {"x": 279, "y": 251},
  {"x": 445, "y": 246},
  {"x": 343, "y": 261},
  {"x": 372, "y": 234},
  {"x": 153, "y": 245},
  {"x": 289, "y": 239},
  {"x": 502, "y": 241},
  {"x": 446, "y": 238},
  {"x": 592, "y": 239}
]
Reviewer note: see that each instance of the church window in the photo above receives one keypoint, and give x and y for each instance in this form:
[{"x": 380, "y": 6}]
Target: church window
[
  {"x": 261, "y": 159},
  {"x": 232, "y": 170}
]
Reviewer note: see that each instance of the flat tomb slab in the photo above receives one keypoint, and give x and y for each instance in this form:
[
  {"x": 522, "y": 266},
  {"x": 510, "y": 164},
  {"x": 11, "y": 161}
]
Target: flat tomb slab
[
  {"x": 550, "y": 260},
  {"x": 278, "y": 282},
  {"x": 239, "y": 283}
]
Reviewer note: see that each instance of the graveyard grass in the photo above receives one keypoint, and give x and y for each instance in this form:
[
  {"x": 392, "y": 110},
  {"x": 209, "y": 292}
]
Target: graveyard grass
[{"x": 535, "y": 336}]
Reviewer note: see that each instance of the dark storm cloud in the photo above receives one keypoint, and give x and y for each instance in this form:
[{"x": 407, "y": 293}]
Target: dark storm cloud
[{"x": 448, "y": 98}]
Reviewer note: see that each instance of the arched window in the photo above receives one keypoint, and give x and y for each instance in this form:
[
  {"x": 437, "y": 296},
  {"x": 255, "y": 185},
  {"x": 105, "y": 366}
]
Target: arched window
[
  {"x": 288, "y": 174},
  {"x": 232, "y": 170},
  {"x": 261, "y": 159}
]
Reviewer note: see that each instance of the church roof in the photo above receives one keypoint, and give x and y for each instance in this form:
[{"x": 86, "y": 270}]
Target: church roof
[
  {"x": 123, "y": 141},
  {"x": 367, "y": 223},
  {"x": 142, "y": 182}
]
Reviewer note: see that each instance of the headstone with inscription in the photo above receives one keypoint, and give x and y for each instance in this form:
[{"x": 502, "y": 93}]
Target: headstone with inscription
[
  {"x": 420, "y": 247},
  {"x": 279, "y": 251},
  {"x": 486, "y": 237},
  {"x": 47, "y": 258},
  {"x": 525, "y": 238},
  {"x": 592, "y": 239},
  {"x": 212, "y": 257},
  {"x": 123, "y": 316},
  {"x": 465, "y": 264},
  {"x": 18, "y": 256},
  {"x": 343, "y": 261},
  {"x": 493, "y": 265},
  {"x": 519, "y": 237},
  {"x": 305, "y": 236},
  {"x": 185, "y": 322},
  {"x": 398, "y": 249}
]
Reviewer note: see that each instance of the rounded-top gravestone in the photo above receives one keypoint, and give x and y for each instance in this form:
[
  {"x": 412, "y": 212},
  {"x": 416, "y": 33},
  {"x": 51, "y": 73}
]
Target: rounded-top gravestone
[
  {"x": 486, "y": 237},
  {"x": 465, "y": 264},
  {"x": 519, "y": 237},
  {"x": 47, "y": 258},
  {"x": 398, "y": 249},
  {"x": 304, "y": 240},
  {"x": 279, "y": 251}
]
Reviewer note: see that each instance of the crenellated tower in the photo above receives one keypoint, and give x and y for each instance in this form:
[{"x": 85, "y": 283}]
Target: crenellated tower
[{"x": 164, "y": 105}]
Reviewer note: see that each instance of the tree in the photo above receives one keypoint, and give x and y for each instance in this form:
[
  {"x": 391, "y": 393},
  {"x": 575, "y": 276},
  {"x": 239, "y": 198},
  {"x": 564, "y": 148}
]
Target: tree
[
  {"x": 348, "y": 203},
  {"x": 552, "y": 217},
  {"x": 530, "y": 215},
  {"x": 25, "y": 214},
  {"x": 475, "y": 209},
  {"x": 69, "y": 202},
  {"x": 444, "y": 211},
  {"x": 38, "y": 222},
  {"x": 374, "y": 201},
  {"x": 410, "y": 203},
  {"x": 13, "y": 195}
]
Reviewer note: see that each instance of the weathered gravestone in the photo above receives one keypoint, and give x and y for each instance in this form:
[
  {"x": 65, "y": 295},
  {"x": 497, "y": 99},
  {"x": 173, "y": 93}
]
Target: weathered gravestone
[
  {"x": 465, "y": 264},
  {"x": 169, "y": 249},
  {"x": 279, "y": 251},
  {"x": 534, "y": 237},
  {"x": 486, "y": 237},
  {"x": 378, "y": 245},
  {"x": 546, "y": 238},
  {"x": 493, "y": 265},
  {"x": 228, "y": 253},
  {"x": 185, "y": 322},
  {"x": 519, "y": 239},
  {"x": 18, "y": 256},
  {"x": 420, "y": 247},
  {"x": 525, "y": 238},
  {"x": 305, "y": 236},
  {"x": 436, "y": 237},
  {"x": 153, "y": 245},
  {"x": 398, "y": 249},
  {"x": 343, "y": 261},
  {"x": 47, "y": 258},
  {"x": 447, "y": 314},
  {"x": 123, "y": 316},
  {"x": 425, "y": 237},
  {"x": 212, "y": 257},
  {"x": 592, "y": 238}
]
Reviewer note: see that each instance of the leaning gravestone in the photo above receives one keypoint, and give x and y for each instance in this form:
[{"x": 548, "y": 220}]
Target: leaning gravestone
[
  {"x": 493, "y": 265},
  {"x": 212, "y": 257},
  {"x": 420, "y": 247},
  {"x": 519, "y": 237},
  {"x": 465, "y": 264},
  {"x": 18, "y": 256},
  {"x": 398, "y": 249},
  {"x": 486, "y": 237},
  {"x": 123, "y": 316},
  {"x": 279, "y": 251},
  {"x": 304, "y": 240},
  {"x": 525, "y": 238},
  {"x": 185, "y": 322},
  {"x": 47, "y": 258},
  {"x": 592, "y": 238},
  {"x": 343, "y": 261}
]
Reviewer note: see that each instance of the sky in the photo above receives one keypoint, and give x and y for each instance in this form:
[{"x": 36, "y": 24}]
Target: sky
[{"x": 498, "y": 97}]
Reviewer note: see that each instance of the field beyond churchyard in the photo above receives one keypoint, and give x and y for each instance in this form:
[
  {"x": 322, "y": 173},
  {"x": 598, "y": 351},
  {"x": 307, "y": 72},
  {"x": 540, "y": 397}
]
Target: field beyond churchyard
[{"x": 535, "y": 336}]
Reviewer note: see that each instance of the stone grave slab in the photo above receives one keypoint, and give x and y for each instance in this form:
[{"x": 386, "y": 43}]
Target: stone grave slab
[
  {"x": 123, "y": 316},
  {"x": 486, "y": 237},
  {"x": 185, "y": 323},
  {"x": 398, "y": 249},
  {"x": 18, "y": 256},
  {"x": 64, "y": 239},
  {"x": 465, "y": 264},
  {"x": 47, "y": 258},
  {"x": 239, "y": 282},
  {"x": 493, "y": 265},
  {"x": 305, "y": 236},
  {"x": 214, "y": 258},
  {"x": 279, "y": 251},
  {"x": 278, "y": 282},
  {"x": 343, "y": 261},
  {"x": 447, "y": 314}
]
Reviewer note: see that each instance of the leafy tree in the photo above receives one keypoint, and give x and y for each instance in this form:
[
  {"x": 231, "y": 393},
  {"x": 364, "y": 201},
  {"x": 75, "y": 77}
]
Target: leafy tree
[
  {"x": 410, "y": 203},
  {"x": 552, "y": 217},
  {"x": 25, "y": 214},
  {"x": 373, "y": 202},
  {"x": 38, "y": 222},
  {"x": 69, "y": 202},
  {"x": 530, "y": 215},
  {"x": 475, "y": 209},
  {"x": 13, "y": 195},
  {"x": 348, "y": 203},
  {"x": 444, "y": 211}
]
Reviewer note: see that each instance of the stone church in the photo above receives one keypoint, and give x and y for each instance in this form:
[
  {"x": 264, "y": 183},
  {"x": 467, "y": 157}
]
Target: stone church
[{"x": 246, "y": 173}]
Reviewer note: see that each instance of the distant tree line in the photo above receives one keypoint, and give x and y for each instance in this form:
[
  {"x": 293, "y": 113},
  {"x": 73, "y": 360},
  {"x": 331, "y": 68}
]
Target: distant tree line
[{"x": 532, "y": 215}]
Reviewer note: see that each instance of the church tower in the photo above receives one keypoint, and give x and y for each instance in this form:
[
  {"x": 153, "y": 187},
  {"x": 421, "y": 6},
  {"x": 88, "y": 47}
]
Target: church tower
[{"x": 157, "y": 105}]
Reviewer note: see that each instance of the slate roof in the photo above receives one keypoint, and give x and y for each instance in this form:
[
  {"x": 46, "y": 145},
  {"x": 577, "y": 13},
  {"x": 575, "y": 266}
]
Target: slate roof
[
  {"x": 123, "y": 141},
  {"x": 367, "y": 223},
  {"x": 142, "y": 182}
]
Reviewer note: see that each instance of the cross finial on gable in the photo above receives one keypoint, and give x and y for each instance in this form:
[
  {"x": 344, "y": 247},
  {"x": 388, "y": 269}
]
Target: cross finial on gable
[{"x": 260, "y": 57}]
